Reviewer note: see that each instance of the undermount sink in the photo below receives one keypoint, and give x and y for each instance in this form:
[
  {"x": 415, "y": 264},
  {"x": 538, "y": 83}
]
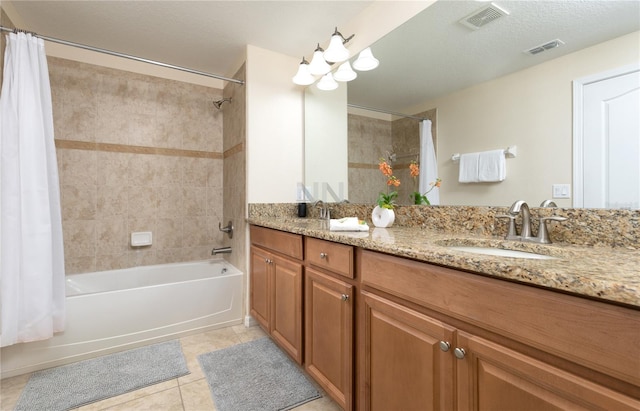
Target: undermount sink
[{"x": 501, "y": 252}]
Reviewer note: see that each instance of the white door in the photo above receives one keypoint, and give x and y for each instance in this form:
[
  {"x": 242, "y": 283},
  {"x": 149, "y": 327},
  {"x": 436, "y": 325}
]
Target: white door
[{"x": 607, "y": 140}]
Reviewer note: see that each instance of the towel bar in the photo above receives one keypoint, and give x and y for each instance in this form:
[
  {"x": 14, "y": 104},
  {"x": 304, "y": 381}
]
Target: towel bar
[{"x": 509, "y": 152}]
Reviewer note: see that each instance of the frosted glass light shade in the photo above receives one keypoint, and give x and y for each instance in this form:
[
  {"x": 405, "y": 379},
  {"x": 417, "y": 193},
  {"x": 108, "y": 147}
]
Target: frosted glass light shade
[
  {"x": 303, "y": 77},
  {"x": 327, "y": 83},
  {"x": 365, "y": 61},
  {"x": 336, "y": 52},
  {"x": 318, "y": 65},
  {"x": 345, "y": 73}
]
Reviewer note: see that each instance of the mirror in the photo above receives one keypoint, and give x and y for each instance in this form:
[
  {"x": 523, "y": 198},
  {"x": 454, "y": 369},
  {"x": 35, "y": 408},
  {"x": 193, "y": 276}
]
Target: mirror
[{"x": 483, "y": 92}]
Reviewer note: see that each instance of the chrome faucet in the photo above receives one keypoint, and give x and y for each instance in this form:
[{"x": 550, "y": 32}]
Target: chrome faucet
[
  {"x": 325, "y": 213},
  {"x": 223, "y": 250},
  {"x": 521, "y": 207}
]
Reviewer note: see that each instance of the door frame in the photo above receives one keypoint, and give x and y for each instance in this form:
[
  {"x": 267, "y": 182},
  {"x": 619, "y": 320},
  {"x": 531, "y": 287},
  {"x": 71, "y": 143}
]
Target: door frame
[{"x": 578, "y": 118}]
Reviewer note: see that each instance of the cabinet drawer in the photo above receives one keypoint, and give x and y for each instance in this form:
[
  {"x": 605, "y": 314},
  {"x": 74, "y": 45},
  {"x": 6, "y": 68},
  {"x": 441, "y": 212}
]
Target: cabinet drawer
[
  {"x": 569, "y": 327},
  {"x": 284, "y": 243},
  {"x": 334, "y": 257}
]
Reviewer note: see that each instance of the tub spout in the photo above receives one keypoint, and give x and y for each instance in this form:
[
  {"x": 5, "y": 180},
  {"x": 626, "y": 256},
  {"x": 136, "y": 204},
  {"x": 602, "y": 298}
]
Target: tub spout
[{"x": 223, "y": 250}]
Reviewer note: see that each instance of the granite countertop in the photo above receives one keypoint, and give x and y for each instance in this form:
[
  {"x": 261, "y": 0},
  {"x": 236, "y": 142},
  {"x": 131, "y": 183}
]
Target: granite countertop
[{"x": 608, "y": 274}]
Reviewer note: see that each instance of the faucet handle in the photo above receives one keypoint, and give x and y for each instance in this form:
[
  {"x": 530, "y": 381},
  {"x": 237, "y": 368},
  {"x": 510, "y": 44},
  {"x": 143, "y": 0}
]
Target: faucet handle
[
  {"x": 543, "y": 232},
  {"x": 511, "y": 232}
]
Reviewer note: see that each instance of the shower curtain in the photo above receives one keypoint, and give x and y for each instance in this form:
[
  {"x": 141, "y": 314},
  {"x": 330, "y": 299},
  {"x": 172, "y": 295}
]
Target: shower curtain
[
  {"x": 31, "y": 251},
  {"x": 428, "y": 165}
]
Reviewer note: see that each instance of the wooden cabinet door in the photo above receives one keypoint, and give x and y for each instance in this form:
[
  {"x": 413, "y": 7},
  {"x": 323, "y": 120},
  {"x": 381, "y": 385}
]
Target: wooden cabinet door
[
  {"x": 286, "y": 309},
  {"x": 329, "y": 335},
  {"x": 492, "y": 377},
  {"x": 260, "y": 289},
  {"x": 404, "y": 366}
]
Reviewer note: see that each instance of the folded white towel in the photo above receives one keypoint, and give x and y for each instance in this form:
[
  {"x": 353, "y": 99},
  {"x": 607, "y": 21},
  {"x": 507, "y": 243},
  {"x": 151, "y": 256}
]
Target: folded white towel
[
  {"x": 348, "y": 224},
  {"x": 491, "y": 166},
  {"x": 468, "y": 172}
]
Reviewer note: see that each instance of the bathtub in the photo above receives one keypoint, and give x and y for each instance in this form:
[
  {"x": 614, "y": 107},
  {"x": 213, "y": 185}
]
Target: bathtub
[{"x": 115, "y": 310}]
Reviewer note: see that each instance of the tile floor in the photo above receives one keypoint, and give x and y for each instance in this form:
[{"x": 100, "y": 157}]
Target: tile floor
[{"x": 188, "y": 393}]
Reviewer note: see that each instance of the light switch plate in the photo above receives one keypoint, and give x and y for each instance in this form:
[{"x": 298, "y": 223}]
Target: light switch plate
[{"x": 561, "y": 190}]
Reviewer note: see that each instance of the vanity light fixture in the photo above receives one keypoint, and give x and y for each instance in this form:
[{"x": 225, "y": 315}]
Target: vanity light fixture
[
  {"x": 303, "y": 77},
  {"x": 365, "y": 61},
  {"x": 327, "y": 83},
  {"x": 337, "y": 52},
  {"x": 344, "y": 72},
  {"x": 318, "y": 65}
]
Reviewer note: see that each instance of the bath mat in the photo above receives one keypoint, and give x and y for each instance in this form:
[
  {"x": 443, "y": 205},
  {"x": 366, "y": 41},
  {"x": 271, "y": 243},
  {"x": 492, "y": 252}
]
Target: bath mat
[
  {"x": 255, "y": 376},
  {"x": 70, "y": 386}
]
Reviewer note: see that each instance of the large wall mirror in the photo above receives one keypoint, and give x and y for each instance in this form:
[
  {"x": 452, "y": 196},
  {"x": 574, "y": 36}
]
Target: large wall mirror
[{"x": 484, "y": 91}]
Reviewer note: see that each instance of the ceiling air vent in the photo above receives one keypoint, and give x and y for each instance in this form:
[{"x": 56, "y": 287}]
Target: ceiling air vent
[
  {"x": 544, "y": 47},
  {"x": 484, "y": 16}
]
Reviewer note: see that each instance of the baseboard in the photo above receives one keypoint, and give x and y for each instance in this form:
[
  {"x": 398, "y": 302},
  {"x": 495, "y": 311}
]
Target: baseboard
[{"x": 249, "y": 321}]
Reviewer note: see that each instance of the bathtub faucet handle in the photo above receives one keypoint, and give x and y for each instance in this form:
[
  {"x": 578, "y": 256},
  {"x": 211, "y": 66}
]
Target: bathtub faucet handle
[{"x": 228, "y": 229}]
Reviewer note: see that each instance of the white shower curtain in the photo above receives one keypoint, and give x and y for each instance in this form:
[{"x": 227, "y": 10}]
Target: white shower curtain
[
  {"x": 31, "y": 251},
  {"x": 428, "y": 164}
]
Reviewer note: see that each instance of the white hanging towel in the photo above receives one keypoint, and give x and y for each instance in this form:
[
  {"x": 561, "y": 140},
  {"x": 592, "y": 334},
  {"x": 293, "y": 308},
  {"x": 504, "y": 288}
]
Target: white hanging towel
[
  {"x": 468, "y": 171},
  {"x": 491, "y": 166},
  {"x": 428, "y": 164}
]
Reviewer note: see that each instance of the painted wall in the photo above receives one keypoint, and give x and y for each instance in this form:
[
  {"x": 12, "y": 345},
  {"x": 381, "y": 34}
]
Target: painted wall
[
  {"x": 531, "y": 109},
  {"x": 274, "y": 127},
  {"x": 326, "y": 144}
]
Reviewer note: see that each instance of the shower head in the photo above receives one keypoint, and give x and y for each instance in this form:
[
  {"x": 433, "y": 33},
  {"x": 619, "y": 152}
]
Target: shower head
[{"x": 218, "y": 104}]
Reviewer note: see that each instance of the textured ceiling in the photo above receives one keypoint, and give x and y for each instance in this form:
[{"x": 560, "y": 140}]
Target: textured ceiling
[
  {"x": 433, "y": 54},
  {"x": 430, "y": 55},
  {"x": 203, "y": 35}
]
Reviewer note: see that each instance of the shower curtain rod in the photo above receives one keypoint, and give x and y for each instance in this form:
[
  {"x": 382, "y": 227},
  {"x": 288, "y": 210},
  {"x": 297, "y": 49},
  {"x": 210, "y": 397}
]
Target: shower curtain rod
[
  {"x": 126, "y": 56},
  {"x": 386, "y": 112}
]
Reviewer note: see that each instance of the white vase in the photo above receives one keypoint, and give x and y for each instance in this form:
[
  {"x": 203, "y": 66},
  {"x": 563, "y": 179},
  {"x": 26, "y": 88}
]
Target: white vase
[{"x": 383, "y": 217}]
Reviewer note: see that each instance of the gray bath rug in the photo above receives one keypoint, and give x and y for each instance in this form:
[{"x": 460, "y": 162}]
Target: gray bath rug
[
  {"x": 70, "y": 386},
  {"x": 255, "y": 376}
]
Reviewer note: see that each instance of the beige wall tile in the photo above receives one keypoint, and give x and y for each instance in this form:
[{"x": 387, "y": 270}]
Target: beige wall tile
[
  {"x": 78, "y": 203},
  {"x": 168, "y": 233},
  {"x": 112, "y": 201},
  {"x": 113, "y": 168},
  {"x": 78, "y": 168},
  {"x": 112, "y": 235},
  {"x": 112, "y": 261},
  {"x": 170, "y": 202},
  {"x": 131, "y": 184}
]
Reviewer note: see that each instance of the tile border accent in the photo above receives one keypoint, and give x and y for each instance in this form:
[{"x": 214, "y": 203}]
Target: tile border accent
[
  {"x": 124, "y": 148},
  {"x": 238, "y": 148},
  {"x": 375, "y": 166}
]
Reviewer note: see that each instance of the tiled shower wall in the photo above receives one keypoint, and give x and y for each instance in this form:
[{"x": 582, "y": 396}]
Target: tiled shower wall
[
  {"x": 234, "y": 180},
  {"x": 135, "y": 153},
  {"x": 369, "y": 140},
  {"x": 405, "y": 137}
]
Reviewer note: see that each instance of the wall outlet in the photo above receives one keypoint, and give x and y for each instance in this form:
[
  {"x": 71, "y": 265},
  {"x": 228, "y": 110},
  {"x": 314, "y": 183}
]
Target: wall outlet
[{"x": 561, "y": 190}]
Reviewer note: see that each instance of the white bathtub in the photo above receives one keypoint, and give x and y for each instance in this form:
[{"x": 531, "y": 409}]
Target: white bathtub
[{"x": 115, "y": 310}]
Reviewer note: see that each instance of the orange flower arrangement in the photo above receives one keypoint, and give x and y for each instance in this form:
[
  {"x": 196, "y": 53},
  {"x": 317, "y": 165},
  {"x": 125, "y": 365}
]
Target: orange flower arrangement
[
  {"x": 417, "y": 197},
  {"x": 388, "y": 200}
]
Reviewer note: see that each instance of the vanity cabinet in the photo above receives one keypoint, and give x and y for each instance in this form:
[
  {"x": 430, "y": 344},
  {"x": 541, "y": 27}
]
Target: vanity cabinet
[
  {"x": 329, "y": 318},
  {"x": 437, "y": 338},
  {"x": 404, "y": 366},
  {"x": 276, "y": 286}
]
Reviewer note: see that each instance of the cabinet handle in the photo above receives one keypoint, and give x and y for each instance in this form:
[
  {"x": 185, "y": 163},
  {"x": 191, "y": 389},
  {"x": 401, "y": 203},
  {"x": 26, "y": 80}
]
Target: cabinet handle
[
  {"x": 444, "y": 346},
  {"x": 268, "y": 261},
  {"x": 459, "y": 353},
  {"x": 345, "y": 297},
  {"x": 323, "y": 255}
]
